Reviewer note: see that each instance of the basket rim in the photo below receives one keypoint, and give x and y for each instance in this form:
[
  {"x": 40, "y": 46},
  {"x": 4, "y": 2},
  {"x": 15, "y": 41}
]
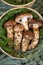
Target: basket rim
[
  {"x": 18, "y": 5},
  {"x": 5, "y": 14},
  {"x": 20, "y": 8}
]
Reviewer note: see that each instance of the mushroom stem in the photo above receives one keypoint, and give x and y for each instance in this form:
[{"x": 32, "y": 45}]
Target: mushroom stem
[
  {"x": 17, "y": 40},
  {"x": 10, "y": 34},
  {"x": 9, "y": 27},
  {"x": 25, "y": 44},
  {"x": 36, "y": 37},
  {"x": 17, "y": 36},
  {"x": 25, "y": 24},
  {"x": 27, "y": 37}
]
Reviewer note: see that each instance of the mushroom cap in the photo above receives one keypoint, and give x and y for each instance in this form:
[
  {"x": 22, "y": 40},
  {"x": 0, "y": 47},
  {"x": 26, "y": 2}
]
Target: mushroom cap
[
  {"x": 18, "y": 27},
  {"x": 35, "y": 21},
  {"x": 28, "y": 35},
  {"x": 10, "y": 23},
  {"x": 20, "y": 16}
]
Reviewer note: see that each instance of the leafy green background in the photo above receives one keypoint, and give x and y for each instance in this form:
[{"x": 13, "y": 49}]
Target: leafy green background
[{"x": 5, "y": 60}]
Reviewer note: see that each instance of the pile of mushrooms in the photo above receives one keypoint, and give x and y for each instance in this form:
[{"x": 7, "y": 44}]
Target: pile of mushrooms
[{"x": 20, "y": 33}]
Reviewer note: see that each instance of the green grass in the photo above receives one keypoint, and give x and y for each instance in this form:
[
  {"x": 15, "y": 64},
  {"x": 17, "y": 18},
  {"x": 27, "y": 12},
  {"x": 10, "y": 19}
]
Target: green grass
[
  {"x": 4, "y": 40},
  {"x": 17, "y": 2}
]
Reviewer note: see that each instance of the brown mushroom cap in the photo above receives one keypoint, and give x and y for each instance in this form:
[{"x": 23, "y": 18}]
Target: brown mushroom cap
[
  {"x": 10, "y": 23},
  {"x": 19, "y": 17},
  {"x": 35, "y": 21},
  {"x": 28, "y": 35},
  {"x": 18, "y": 27}
]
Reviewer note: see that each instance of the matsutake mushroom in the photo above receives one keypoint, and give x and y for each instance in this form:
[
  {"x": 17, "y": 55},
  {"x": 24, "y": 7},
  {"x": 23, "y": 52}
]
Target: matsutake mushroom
[
  {"x": 27, "y": 37},
  {"x": 23, "y": 19},
  {"x": 35, "y": 24},
  {"x": 9, "y": 27},
  {"x": 18, "y": 30}
]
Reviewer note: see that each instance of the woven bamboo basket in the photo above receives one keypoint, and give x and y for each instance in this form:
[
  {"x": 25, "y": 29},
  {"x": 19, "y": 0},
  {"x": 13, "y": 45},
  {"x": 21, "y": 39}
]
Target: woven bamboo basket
[
  {"x": 27, "y": 5},
  {"x": 6, "y": 14}
]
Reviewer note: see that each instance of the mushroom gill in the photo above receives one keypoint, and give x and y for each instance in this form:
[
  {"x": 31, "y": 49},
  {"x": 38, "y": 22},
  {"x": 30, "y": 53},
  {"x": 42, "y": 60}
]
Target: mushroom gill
[{"x": 23, "y": 19}]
